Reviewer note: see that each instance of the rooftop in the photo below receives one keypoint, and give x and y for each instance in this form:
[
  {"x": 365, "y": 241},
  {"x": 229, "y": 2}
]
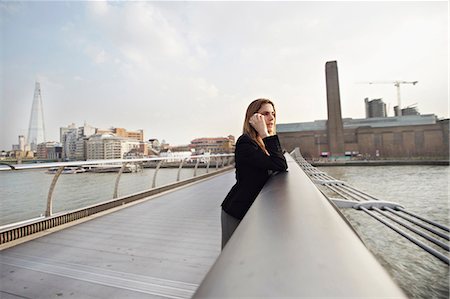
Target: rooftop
[{"x": 350, "y": 123}]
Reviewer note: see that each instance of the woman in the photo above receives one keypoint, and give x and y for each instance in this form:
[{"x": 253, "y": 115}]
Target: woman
[{"x": 258, "y": 153}]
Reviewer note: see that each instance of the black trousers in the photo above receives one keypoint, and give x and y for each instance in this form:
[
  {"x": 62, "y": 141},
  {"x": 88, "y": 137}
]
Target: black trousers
[{"x": 229, "y": 225}]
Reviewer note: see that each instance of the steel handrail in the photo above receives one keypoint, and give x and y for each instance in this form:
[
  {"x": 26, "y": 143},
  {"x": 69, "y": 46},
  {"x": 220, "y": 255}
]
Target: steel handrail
[
  {"x": 11, "y": 167},
  {"x": 430, "y": 229},
  {"x": 425, "y": 220},
  {"x": 411, "y": 228},
  {"x": 121, "y": 162},
  {"x": 15, "y": 231},
  {"x": 422, "y": 245},
  {"x": 294, "y": 244}
]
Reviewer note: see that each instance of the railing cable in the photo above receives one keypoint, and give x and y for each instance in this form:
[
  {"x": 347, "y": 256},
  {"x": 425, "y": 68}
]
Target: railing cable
[
  {"x": 440, "y": 234},
  {"x": 423, "y": 235},
  {"x": 426, "y": 220},
  {"x": 434, "y": 252},
  {"x": 352, "y": 197}
]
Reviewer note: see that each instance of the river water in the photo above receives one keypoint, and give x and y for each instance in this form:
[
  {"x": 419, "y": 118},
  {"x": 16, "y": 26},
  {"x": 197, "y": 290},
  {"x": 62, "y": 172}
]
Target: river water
[
  {"x": 24, "y": 193},
  {"x": 420, "y": 189}
]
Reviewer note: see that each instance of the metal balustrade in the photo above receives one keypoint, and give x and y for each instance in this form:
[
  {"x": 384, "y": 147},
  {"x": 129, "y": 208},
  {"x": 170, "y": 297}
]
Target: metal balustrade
[
  {"x": 16, "y": 231},
  {"x": 351, "y": 197},
  {"x": 293, "y": 244}
]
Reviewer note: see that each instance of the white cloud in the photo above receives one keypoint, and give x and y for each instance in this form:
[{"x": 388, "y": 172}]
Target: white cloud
[
  {"x": 97, "y": 55},
  {"x": 141, "y": 34},
  {"x": 181, "y": 70},
  {"x": 99, "y": 8},
  {"x": 67, "y": 27},
  {"x": 10, "y": 8}
]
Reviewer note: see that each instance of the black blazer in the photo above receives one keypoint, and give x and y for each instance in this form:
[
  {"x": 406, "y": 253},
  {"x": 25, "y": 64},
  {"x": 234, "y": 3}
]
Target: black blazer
[{"x": 253, "y": 168}]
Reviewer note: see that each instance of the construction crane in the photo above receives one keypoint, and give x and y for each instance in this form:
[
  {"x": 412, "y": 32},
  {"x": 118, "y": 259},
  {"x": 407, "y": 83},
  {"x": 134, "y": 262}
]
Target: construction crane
[
  {"x": 396, "y": 84},
  {"x": 412, "y": 105}
]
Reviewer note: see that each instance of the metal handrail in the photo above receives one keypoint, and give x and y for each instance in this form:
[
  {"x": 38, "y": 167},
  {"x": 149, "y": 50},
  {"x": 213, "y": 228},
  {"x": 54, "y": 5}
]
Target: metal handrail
[
  {"x": 11, "y": 167},
  {"x": 15, "y": 231},
  {"x": 295, "y": 245},
  {"x": 123, "y": 162},
  {"x": 411, "y": 228},
  {"x": 430, "y": 229},
  {"x": 422, "y": 245},
  {"x": 425, "y": 220}
]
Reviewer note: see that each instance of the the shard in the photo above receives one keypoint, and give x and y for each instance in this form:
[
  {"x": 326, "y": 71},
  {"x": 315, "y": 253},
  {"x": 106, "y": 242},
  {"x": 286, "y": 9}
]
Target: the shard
[{"x": 36, "y": 129}]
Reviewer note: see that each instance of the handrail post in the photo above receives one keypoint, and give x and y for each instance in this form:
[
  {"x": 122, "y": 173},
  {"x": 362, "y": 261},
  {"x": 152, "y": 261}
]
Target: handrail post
[
  {"x": 196, "y": 166},
  {"x": 179, "y": 168},
  {"x": 207, "y": 164},
  {"x": 156, "y": 172},
  {"x": 48, "y": 210},
  {"x": 116, "y": 186}
]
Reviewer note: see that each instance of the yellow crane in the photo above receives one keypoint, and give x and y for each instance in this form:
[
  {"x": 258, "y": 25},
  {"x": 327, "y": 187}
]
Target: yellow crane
[{"x": 396, "y": 84}]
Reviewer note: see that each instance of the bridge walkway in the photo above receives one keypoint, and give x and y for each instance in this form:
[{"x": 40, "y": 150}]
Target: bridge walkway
[{"x": 159, "y": 247}]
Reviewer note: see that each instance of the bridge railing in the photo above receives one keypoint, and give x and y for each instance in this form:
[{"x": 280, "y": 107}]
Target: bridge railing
[
  {"x": 429, "y": 235},
  {"x": 14, "y": 231},
  {"x": 293, "y": 243}
]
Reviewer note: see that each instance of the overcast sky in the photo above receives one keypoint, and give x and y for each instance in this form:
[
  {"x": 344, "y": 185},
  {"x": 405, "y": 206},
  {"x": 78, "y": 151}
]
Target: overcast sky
[{"x": 182, "y": 70}]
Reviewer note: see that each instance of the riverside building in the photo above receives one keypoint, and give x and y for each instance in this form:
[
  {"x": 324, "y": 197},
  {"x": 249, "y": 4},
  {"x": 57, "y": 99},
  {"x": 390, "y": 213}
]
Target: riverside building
[
  {"x": 21, "y": 150},
  {"x": 375, "y": 108},
  {"x": 408, "y": 136},
  {"x": 49, "y": 150},
  {"x": 412, "y": 136},
  {"x": 121, "y": 132},
  {"x": 73, "y": 140},
  {"x": 218, "y": 145},
  {"x": 109, "y": 146},
  {"x": 84, "y": 143}
]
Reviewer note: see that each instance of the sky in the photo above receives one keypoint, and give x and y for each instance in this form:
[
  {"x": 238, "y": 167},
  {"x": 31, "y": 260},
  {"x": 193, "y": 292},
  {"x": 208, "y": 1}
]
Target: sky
[{"x": 183, "y": 70}]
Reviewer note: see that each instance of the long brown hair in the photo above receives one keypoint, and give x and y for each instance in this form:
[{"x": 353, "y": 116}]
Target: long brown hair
[{"x": 248, "y": 128}]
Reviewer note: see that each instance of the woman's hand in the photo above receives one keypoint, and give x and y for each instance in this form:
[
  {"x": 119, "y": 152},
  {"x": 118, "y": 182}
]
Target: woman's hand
[{"x": 258, "y": 122}]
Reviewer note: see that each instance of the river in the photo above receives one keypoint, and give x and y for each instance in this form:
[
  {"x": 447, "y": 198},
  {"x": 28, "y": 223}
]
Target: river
[{"x": 24, "y": 193}]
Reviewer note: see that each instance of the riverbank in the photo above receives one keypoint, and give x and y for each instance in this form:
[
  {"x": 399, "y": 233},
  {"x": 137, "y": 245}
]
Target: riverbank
[{"x": 379, "y": 162}]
